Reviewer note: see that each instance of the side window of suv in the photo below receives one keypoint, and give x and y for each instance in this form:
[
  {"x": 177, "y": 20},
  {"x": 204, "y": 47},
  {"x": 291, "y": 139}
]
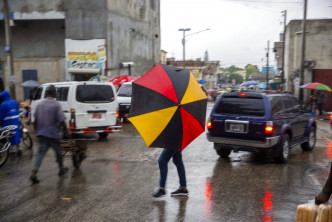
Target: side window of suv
[
  {"x": 291, "y": 105},
  {"x": 296, "y": 105},
  {"x": 276, "y": 105}
]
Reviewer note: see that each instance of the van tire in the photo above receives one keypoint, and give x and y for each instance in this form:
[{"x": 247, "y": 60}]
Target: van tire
[{"x": 102, "y": 135}]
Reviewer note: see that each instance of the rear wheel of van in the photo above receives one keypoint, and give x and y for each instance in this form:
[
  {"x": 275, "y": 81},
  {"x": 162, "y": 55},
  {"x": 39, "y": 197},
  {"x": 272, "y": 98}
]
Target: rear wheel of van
[
  {"x": 102, "y": 135},
  {"x": 307, "y": 146},
  {"x": 283, "y": 150},
  {"x": 222, "y": 152}
]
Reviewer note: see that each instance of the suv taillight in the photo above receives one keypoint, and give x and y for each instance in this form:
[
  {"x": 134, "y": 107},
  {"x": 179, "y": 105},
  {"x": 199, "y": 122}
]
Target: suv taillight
[
  {"x": 209, "y": 124},
  {"x": 269, "y": 127}
]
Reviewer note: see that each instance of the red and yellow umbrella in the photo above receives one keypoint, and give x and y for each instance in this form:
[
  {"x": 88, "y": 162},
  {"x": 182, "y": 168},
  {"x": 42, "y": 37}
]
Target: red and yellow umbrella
[{"x": 168, "y": 107}]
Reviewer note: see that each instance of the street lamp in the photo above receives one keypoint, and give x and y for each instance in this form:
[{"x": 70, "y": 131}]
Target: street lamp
[{"x": 184, "y": 44}]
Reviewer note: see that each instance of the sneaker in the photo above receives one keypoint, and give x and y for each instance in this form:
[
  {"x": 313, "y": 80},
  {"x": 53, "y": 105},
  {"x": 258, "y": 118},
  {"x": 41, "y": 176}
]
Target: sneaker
[
  {"x": 63, "y": 171},
  {"x": 180, "y": 192},
  {"x": 34, "y": 179},
  {"x": 161, "y": 192}
]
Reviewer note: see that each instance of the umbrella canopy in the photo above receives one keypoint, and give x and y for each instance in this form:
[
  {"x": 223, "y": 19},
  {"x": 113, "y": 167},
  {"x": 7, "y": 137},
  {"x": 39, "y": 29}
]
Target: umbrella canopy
[
  {"x": 168, "y": 107},
  {"x": 249, "y": 83},
  {"x": 99, "y": 78},
  {"x": 122, "y": 79},
  {"x": 202, "y": 81},
  {"x": 262, "y": 85},
  {"x": 30, "y": 83},
  {"x": 317, "y": 86}
]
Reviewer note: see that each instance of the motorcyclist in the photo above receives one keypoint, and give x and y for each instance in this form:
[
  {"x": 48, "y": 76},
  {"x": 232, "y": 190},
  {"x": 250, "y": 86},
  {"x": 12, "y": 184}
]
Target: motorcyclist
[{"x": 9, "y": 115}]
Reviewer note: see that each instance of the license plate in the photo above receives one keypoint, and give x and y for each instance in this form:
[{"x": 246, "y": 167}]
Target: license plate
[
  {"x": 236, "y": 127},
  {"x": 96, "y": 116}
]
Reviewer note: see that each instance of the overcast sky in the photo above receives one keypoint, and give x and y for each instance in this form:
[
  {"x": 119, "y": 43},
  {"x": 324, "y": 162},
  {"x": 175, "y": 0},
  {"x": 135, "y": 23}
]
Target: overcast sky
[{"x": 239, "y": 29}]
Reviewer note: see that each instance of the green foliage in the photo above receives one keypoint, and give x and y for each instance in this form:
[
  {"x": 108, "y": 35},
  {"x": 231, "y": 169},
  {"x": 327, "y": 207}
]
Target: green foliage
[
  {"x": 233, "y": 69},
  {"x": 238, "y": 78},
  {"x": 250, "y": 69}
]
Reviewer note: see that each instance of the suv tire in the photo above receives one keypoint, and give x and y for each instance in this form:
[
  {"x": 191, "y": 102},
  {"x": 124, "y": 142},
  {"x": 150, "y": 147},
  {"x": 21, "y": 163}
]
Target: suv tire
[
  {"x": 222, "y": 152},
  {"x": 283, "y": 150},
  {"x": 307, "y": 146}
]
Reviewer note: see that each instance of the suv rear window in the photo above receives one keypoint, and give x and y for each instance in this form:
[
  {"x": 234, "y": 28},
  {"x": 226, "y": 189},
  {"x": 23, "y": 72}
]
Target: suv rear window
[
  {"x": 241, "y": 106},
  {"x": 125, "y": 90},
  {"x": 94, "y": 94}
]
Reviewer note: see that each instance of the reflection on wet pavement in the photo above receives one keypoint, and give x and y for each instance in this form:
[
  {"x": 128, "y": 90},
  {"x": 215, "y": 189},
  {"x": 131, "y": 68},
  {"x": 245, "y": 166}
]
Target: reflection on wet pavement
[{"x": 117, "y": 179}]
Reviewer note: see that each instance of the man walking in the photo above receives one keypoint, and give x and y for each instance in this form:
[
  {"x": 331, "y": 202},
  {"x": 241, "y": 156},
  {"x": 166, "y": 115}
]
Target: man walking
[
  {"x": 163, "y": 160},
  {"x": 48, "y": 118}
]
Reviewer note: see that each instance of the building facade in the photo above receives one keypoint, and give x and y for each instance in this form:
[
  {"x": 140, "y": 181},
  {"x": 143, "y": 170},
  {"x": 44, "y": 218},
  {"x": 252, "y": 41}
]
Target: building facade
[
  {"x": 318, "y": 56},
  {"x": 59, "y": 40}
]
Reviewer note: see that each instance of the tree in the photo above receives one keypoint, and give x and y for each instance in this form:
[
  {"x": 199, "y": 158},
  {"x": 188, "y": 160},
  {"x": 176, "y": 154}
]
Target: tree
[
  {"x": 233, "y": 69},
  {"x": 250, "y": 69},
  {"x": 238, "y": 78}
]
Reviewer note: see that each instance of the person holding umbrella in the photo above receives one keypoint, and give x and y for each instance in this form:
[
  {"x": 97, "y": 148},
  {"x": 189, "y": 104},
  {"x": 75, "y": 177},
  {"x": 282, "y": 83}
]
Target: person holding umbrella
[
  {"x": 168, "y": 109},
  {"x": 320, "y": 101},
  {"x": 163, "y": 160}
]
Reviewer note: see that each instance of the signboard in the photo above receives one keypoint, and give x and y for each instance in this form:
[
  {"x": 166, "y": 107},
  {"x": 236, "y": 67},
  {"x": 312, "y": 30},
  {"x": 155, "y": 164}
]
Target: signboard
[
  {"x": 85, "y": 56},
  {"x": 271, "y": 69}
]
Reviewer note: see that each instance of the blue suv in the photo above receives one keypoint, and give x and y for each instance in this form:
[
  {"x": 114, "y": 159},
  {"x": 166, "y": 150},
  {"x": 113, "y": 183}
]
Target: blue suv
[{"x": 254, "y": 121}]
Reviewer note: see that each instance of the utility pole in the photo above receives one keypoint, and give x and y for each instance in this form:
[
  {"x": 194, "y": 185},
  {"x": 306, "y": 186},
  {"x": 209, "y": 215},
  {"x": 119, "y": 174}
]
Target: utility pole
[
  {"x": 184, "y": 45},
  {"x": 303, "y": 51},
  {"x": 267, "y": 65},
  {"x": 283, "y": 52},
  {"x": 9, "y": 75}
]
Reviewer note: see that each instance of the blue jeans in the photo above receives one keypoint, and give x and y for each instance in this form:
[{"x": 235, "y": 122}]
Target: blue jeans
[
  {"x": 44, "y": 144},
  {"x": 163, "y": 160}
]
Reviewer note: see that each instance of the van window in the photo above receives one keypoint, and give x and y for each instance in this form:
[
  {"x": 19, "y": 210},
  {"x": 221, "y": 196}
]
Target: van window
[
  {"x": 38, "y": 93},
  {"x": 125, "y": 90},
  {"x": 62, "y": 93},
  {"x": 94, "y": 94},
  {"x": 241, "y": 106}
]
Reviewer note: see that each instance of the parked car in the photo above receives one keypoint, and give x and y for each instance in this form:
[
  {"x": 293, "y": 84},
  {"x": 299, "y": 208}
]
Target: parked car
[
  {"x": 89, "y": 107},
  {"x": 253, "y": 121},
  {"x": 124, "y": 100}
]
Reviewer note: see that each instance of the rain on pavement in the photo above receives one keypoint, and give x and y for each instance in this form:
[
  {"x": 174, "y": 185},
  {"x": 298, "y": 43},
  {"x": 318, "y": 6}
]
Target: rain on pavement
[{"x": 117, "y": 179}]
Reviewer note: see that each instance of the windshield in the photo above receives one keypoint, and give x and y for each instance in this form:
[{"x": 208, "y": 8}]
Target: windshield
[
  {"x": 241, "y": 106},
  {"x": 125, "y": 90},
  {"x": 94, "y": 94}
]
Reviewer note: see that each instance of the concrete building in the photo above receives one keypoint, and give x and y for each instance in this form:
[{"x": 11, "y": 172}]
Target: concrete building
[
  {"x": 163, "y": 58},
  {"x": 318, "y": 56},
  {"x": 58, "y": 40},
  {"x": 208, "y": 71}
]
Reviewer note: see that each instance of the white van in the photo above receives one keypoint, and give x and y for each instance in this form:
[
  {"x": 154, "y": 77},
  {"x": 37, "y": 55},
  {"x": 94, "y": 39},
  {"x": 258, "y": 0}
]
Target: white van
[
  {"x": 89, "y": 107},
  {"x": 124, "y": 99}
]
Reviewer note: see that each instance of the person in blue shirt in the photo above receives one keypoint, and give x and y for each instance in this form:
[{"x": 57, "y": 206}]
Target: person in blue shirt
[{"x": 9, "y": 115}]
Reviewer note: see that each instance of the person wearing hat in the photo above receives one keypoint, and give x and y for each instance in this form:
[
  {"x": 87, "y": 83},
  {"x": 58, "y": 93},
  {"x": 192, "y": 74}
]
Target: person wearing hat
[
  {"x": 48, "y": 119},
  {"x": 9, "y": 115}
]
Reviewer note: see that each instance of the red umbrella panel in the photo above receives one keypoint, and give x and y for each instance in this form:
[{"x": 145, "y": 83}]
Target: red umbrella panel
[
  {"x": 168, "y": 107},
  {"x": 122, "y": 79}
]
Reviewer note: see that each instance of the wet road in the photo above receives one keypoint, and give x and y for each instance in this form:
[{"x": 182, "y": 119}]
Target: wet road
[{"x": 117, "y": 179}]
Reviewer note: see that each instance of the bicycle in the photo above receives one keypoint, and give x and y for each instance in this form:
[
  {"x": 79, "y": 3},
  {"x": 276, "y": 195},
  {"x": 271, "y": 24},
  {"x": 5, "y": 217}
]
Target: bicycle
[
  {"x": 5, "y": 134},
  {"x": 26, "y": 140}
]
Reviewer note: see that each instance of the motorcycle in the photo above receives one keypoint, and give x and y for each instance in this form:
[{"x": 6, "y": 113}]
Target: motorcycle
[{"x": 5, "y": 134}]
